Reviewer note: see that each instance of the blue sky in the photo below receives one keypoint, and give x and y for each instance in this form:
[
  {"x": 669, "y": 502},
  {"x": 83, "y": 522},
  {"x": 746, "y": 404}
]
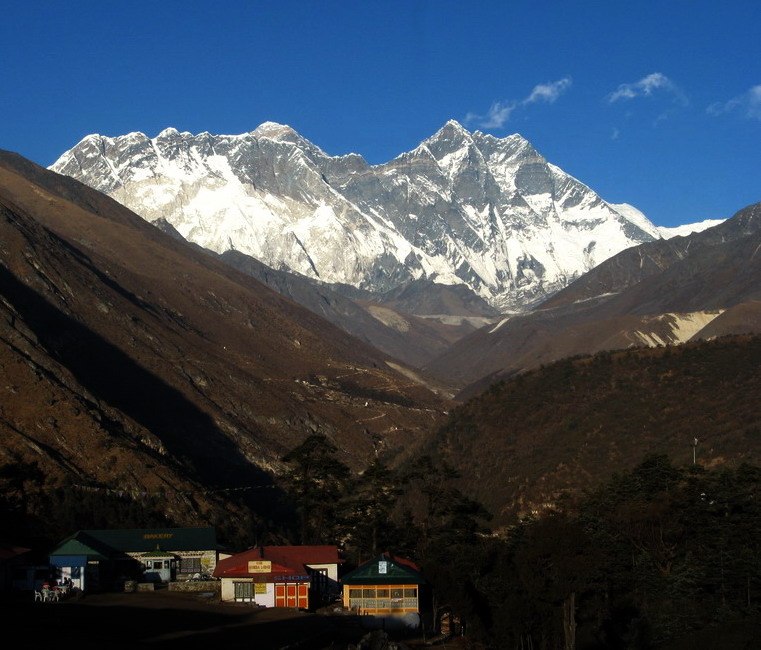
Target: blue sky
[{"x": 657, "y": 104}]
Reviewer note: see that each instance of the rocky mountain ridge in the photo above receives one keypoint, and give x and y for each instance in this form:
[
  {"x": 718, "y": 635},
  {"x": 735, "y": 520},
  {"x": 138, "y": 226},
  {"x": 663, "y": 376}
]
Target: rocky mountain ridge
[
  {"x": 389, "y": 322},
  {"x": 462, "y": 208},
  {"x": 659, "y": 293}
]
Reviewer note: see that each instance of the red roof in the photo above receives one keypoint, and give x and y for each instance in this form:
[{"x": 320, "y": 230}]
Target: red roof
[
  {"x": 395, "y": 558},
  {"x": 286, "y": 560}
]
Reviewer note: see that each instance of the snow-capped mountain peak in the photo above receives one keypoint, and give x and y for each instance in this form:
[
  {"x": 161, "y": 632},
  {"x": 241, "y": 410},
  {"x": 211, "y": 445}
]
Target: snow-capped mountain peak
[
  {"x": 688, "y": 229},
  {"x": 169, "y": 132},
  {"x": 462, "y": 207},
  {"x": 276, "y": 131}
]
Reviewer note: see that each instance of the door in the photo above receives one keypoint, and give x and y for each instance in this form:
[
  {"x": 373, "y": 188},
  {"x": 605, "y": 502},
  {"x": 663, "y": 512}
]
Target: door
[
  {"x": 303, "y": 595},
  {"x": 291, "y": 594}
]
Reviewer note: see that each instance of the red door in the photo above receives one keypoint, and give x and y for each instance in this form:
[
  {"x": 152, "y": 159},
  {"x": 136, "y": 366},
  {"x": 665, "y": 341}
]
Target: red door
[
  {"x": 291, "y": 592},
  {"x": 292, "y": 595},
  {"x": 304, "y": 595}
]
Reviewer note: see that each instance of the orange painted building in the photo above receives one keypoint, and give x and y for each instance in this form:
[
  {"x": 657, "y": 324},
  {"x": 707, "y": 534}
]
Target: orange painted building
[{"x": 384, "y": 586}]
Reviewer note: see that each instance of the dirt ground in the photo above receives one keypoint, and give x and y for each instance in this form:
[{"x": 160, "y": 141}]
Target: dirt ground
[{"x": 164, "y": 619}]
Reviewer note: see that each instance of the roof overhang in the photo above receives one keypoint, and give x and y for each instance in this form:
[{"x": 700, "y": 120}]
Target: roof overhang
[{"x": 70, "y": 560}]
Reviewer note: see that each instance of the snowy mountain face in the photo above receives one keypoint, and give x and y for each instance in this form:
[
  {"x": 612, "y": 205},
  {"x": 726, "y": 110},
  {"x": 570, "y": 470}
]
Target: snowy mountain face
[
  {"x": 688, "y": 229},
  {"x": 462, "y": 208}
]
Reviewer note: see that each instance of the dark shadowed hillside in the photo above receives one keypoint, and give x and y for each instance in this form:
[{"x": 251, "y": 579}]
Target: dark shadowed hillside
[
  {"x": 132, "y": 361},
  {"x": 526, "y": 442}
]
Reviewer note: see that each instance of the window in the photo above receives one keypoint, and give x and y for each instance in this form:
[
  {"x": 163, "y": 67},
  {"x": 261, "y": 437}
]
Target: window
[
  {"x": 394, "y": 599},
  {"x": 319, "y": 578},
  {"x": 244, "y": 591},
  {"x": 190, "y": 565},
  {"x": 410, "y": 597}
]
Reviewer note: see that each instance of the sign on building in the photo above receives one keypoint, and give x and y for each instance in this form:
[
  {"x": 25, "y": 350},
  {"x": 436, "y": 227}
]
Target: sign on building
[{"x": 259, "y": 566}]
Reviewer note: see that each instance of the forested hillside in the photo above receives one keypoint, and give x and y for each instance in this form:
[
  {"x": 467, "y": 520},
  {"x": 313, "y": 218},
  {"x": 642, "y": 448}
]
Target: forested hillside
[
  {"x": 659, "y": 556},
  {"x": 527, "y": 442}
]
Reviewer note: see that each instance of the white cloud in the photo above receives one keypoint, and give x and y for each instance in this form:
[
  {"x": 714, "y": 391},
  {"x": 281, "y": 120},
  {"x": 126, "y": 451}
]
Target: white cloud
[
  {"x": 499, "y": 112},
  {"x": 749, "y": 103},
  {"x": 646, "y": 86},
  {"x": 720, "y": 108},
  {"x": 497, "y": 116},
  {"x": 548, "y": 92}
]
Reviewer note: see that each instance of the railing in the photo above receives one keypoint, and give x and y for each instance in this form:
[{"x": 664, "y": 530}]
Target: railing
[{"x": 383, "y": 603}]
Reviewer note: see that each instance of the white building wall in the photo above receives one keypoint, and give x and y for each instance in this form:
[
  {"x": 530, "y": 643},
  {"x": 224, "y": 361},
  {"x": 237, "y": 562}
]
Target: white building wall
[
  {"x": 332, "y": 570},
  {"x": 228, "y": 589},
  {"x": 264, "y": 600},
  {"x": 268, "y": 599}
]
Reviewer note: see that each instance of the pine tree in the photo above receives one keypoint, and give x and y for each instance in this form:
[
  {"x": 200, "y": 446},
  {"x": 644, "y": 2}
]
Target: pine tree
[{"x": 317, "y": 483}]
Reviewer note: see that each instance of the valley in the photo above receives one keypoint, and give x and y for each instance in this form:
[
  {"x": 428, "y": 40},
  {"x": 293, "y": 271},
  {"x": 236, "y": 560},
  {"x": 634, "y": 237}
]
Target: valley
[
  {"x": 226, "y": 362},
  {"x": 121, "y": 344},
  {"x": 372, "y": 326},
  {"x": 149, "y": 379}
]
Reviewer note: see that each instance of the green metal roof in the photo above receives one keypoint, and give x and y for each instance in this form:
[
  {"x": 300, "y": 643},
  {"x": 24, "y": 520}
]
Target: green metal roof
[
  {"x": 139, "y": 540},
  {"x": 81, "y": 544},
  {"x": 384, "y": 570}
]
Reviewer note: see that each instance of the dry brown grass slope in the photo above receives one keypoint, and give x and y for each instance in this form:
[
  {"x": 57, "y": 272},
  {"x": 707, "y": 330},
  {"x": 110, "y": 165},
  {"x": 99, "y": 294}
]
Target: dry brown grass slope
[{"x": 131, "y": 359}]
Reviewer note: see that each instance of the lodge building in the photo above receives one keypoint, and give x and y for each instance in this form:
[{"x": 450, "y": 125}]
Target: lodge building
[
  {"x": 97, "y": 559},
  {"x": 281, "y": 576},
  {"x": 384, "y": 586}
]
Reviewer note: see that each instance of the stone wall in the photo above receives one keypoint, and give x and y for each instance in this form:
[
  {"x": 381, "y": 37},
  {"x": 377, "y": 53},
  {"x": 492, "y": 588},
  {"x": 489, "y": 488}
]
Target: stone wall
[{"x": 195, "y": 586}]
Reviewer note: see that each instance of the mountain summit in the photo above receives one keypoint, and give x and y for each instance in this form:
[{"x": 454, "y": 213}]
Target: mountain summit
[{"x": 461, "y": 208}]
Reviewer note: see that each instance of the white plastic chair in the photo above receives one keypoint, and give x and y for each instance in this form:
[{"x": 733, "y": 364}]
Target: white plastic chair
[{"x": 49, "y": 595}]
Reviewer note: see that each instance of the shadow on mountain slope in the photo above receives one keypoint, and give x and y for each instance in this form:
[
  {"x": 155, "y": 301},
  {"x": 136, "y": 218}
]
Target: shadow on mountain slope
[{"x": 116, "y": 379}]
